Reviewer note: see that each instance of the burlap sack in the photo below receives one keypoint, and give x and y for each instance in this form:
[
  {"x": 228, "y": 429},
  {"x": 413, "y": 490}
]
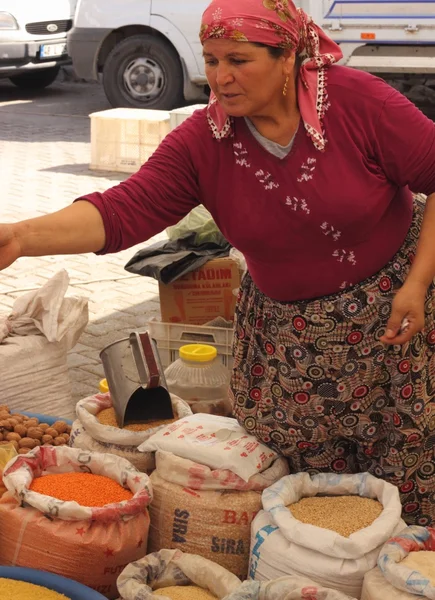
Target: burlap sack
[
  {"x": 89, "y": 545},
  {"x": 206, "y": 512}
]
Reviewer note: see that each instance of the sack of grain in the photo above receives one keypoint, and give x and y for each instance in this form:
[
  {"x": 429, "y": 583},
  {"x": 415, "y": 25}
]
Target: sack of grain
[
  {"x": 35, "y": 338},
  {"x": 95, "y": 430},
  {"x": 376, "y": 587},
  {"x": 214, "y": 441},
  {"x": 282, "y": 544},
  {"x": 407, "y": 561},
  {"x": 169, "y": 568},
  {"x": 287, "y": 588},
  {"x": 89, "y": 545},
  {"x": 206, "y": 512}
]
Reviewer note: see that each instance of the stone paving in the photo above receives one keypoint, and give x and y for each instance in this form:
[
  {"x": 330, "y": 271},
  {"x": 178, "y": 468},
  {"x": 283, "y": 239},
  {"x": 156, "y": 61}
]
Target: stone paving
[{"x": 44, "y": 158}]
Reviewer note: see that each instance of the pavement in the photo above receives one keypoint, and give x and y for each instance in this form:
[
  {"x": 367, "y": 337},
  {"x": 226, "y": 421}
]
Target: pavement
[{"x": 44, "y": 166}]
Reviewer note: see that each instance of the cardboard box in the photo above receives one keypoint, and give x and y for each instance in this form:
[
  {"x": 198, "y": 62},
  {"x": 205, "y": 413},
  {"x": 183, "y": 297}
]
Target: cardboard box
[{"x": 201, "y": 295}]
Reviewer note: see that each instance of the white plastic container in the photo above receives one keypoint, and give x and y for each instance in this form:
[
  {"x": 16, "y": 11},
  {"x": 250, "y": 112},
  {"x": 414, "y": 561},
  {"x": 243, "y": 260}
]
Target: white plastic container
[
  {"x": 178, "y": 115},
  {"x": 199, "y": 377}
]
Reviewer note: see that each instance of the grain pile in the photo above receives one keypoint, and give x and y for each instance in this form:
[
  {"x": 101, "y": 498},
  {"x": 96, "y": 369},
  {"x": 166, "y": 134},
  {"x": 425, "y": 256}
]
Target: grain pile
[
  {"x": 26, "y": 433},
  {"x": 185, "y": 592},
  {"x": 85, "y": 488},
  {"x": 10, "y": 589},
  {"x": 342, "y": 514},
  {"x": 107, "y": 417},
  {"x": 423, "y": 562}
]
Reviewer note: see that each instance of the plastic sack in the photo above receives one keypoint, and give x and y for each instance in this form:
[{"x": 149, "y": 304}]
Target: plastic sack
[
  {"x": 167, "y": 261},
  {"x": 215, "y": 441},
  {"x": 89, "y": 434},
  {"x": 411, "y": 539},
  {"x": 34, "y": 340},
  {"x": 282, "y": 545},
  {"x": 89, "y": 545},
  {"x": 206, "y": 512},
  {"x": 7, "y": 452},
  {"x": 376, "y": 587},
  {"x": 173, "y": 567},
  {"x": 200, "y": 222},
  {"x": 286, "y": 588}
]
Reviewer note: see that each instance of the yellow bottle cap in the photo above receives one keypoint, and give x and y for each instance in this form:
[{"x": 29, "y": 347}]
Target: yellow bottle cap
[
  {"x": 198, "y": 352},
  {"x": 103, "y": 387}
]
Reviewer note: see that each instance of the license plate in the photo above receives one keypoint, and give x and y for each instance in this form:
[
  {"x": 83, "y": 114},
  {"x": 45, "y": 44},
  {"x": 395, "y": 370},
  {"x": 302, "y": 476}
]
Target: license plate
[{"x": 50, "y": 50}]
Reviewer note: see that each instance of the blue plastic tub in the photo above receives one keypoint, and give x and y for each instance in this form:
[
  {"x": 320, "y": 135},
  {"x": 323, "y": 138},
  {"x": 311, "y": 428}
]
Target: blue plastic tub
[
  {"x": 43, "y": 418},
  {"x": 71, "y": 589}
]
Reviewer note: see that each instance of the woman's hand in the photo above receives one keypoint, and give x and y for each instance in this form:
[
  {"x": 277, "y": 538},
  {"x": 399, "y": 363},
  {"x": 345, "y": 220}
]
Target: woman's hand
[
  {"x": 10, "y": 248},
  {"x": 407, "y": 314}
]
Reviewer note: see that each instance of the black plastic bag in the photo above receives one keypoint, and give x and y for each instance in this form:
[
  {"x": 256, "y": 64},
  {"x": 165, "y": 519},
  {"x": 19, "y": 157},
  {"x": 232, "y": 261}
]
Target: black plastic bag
[{"x": 167, "y": 261}]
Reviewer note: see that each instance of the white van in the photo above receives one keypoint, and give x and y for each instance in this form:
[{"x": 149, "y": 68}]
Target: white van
[
  {"x": 150, "y": 54},
  {"x": 33, "y": 40}
]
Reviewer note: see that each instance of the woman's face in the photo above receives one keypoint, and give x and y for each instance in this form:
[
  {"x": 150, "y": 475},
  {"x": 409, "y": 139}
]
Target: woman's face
[{"x": 245, "y": 78}]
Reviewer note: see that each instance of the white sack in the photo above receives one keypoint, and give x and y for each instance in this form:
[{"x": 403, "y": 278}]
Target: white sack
[
  {"x": 215, "y": 441},
  {"x": 173, "y": 567},
  {"x": 286, "y": 588},
  {"x": 376, "y": 587},
  {"x": 34, "y": 340},
  {"x": 281, "y": 545},
  {"x": 411, "y": 539}
]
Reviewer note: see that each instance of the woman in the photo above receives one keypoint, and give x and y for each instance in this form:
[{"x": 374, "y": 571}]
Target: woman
[{"x": 307, "y": 170}]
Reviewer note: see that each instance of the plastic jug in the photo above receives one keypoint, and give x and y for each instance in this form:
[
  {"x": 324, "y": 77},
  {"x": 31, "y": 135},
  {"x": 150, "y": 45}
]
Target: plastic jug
[{"x": 199, "y": 377}]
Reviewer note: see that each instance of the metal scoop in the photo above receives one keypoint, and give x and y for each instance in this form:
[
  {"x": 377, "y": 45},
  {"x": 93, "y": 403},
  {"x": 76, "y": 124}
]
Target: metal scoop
[{"x": 136, "y": 381}]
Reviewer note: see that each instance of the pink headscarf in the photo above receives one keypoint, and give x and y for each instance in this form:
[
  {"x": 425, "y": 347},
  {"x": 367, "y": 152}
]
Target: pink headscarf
[{"x": 275, "y": 23}]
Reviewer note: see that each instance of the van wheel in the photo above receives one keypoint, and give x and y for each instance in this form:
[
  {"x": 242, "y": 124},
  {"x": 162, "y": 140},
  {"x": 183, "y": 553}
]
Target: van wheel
[
  {"x": 37, "y": 79},
  {"x": 143, "y": 71}
]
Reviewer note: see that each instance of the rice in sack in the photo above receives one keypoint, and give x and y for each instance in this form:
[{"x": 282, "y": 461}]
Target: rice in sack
[
  {"x": 215, "y": 441},
  {"x": 96, "y": 430},
  {"x": 177, "y": 573},
  {"x": 403, "y": 568},
  {"x": 206, "y": 512},
  {"x": 58, "y": 534},
  {"x": 282, "y": 545}
]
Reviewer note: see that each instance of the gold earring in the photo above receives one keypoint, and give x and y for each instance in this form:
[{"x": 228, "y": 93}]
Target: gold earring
[{"x": 284, "y": 90}]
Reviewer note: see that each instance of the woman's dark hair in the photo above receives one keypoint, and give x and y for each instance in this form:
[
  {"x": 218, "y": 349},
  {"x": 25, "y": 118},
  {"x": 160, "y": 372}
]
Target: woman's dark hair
[{"x": 273, "y": 50}]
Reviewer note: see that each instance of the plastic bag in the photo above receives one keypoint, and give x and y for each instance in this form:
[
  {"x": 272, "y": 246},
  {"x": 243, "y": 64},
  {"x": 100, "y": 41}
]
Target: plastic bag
[
  {"x": 167, "y": 261},
  {"x": 376, "y": 587},
  {"x": 173, "y": 567},
  {"x": 200, "y": 222},
  {"x": 282, "y": 545},
  {"x": 411, "y": 539},
  {"x": 215, "y": 441}
]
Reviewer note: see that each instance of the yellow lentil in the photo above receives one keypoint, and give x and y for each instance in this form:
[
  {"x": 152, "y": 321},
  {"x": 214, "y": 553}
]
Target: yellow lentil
[
  {"x": 185, "y": 592},
  {"x": 10, "y": 589},
  {"x": 343, "y": 514},
  {"x": 107, "y": 417}
]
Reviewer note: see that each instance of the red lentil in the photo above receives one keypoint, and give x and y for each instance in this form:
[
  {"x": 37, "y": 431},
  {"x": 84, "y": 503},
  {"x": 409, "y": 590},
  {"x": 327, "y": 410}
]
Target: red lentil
[{"x": 85, "y": 488}]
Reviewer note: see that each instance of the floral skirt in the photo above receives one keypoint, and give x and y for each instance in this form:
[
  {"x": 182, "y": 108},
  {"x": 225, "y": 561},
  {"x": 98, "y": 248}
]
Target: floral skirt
[{"x": 312, "y": 380}]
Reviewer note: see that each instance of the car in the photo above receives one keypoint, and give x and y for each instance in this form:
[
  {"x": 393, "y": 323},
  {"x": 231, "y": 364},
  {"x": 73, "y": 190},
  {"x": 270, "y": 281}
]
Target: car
[{"x": 33, "y": 43}]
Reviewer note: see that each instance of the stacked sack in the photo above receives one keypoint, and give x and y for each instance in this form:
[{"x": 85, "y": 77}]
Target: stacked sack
[
  {"x": 207, "y": 488},
  {"x": 282, "y": 545},
  {"x": 88, "y": 433},
  {"x": 89, "y": 545},
  {"x": 397, "y": 579},
  {"x": 169, "y": 571}
]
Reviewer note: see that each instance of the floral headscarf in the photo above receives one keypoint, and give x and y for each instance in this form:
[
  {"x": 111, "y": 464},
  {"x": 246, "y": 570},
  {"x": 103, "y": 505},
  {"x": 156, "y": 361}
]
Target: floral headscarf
[{"x": 275, "y": 23}]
